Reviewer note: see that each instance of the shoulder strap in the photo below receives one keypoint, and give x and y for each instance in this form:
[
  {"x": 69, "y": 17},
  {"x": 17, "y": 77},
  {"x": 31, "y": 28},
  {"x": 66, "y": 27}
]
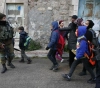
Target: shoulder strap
[{"x": 93, "y": 33}]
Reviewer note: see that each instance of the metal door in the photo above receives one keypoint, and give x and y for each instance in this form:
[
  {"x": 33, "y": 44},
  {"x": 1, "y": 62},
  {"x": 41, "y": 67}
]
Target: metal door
[
  {"x": 15, "y": 16},
  {"x": 89, "y": 10}
]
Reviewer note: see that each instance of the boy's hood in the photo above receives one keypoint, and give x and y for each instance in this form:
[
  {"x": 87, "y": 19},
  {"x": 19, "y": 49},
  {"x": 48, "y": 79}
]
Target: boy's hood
[
  {"x": 82, "y": 30},
  {"x": 55, "y": 25},
  {"x": 23, "y": 33}
]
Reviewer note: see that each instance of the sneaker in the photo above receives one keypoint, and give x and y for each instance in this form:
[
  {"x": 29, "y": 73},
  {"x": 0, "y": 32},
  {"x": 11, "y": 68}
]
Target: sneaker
[
  {"x": 29, "y": 61},
  {"x": 51, "y": 68},
  {"x": 91, "y": 81},
  {"x": 55, "y": 68},
  {"x": 22, "y": 61},
  {"x": 66, "y": 76},
  {"x": 82, "y": 73},
  {"x": 62, "y": 60}
]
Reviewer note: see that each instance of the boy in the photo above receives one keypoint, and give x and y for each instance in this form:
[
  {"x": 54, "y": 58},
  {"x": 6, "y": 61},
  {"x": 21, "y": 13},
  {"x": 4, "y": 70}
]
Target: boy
[
  {"x": 22, "y": 40},
  {"x": 53, "y": 45},
  {"x": 82, "y": 48}
]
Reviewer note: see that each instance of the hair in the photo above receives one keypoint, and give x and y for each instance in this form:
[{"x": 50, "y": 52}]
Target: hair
[
  {"x": 21, "y": 28},
  {"x": 61, "y": 21},
  {"x": 91, "y": 24},
  {"x": 2, "y": 15}
]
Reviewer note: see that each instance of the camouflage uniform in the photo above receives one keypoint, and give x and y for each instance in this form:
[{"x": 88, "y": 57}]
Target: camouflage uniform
[{"x": 6, "y": 36}]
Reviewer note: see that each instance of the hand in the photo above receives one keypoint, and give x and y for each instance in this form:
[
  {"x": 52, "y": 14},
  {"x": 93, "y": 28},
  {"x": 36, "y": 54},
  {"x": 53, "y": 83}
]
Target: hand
[
  {"x": 75, "y": 58},
  {"x": 2, "y": 46},
  {"x": 47, "y": 48}
]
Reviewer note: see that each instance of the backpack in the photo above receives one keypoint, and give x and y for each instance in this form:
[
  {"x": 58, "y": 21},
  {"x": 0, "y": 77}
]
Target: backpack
[
  {"x": 27, "y": 41},
  {"x": 95, "y": 39},
  {"x": 60, "y": 43},
  {"x": 90, "y": 55}
]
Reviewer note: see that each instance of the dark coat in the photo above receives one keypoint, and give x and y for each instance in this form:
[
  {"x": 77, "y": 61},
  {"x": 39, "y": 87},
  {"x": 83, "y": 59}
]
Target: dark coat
[
  {"x": 22, "y": 40},
  {"x": 72, "y": 40}
]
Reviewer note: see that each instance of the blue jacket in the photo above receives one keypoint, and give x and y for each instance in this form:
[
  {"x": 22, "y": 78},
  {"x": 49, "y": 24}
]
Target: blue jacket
[
  {"x": 82, "y": 45},
  {"x": 54, "y": 36},
  {"x": 22, "y": 40}
]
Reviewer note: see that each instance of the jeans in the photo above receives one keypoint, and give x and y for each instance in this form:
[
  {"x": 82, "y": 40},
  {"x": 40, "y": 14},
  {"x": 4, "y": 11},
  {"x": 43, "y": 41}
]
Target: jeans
[
  {"x": 51, "y": 56},
  {"x": 86, "y": 64}
]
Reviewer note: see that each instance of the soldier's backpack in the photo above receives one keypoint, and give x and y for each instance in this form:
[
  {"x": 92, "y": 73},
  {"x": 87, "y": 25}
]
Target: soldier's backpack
[{"x": 27, "y": 41}]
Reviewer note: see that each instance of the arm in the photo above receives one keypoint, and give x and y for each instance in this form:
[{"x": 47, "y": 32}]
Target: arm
[
  {"x": 53, "y": 40},
  {"x": 81, "y": 50}
]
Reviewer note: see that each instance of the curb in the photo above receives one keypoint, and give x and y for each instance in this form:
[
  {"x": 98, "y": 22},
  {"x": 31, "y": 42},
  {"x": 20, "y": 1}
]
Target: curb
[{"x": 37, "y": 53}]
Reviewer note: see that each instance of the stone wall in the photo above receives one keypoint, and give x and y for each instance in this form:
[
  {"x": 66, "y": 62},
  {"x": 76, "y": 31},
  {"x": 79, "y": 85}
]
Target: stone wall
[{"x": 42, "y": 13}]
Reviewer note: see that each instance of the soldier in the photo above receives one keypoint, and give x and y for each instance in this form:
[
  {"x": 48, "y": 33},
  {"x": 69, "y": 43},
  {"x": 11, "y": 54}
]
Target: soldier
[{"x": 6, "y": 45}]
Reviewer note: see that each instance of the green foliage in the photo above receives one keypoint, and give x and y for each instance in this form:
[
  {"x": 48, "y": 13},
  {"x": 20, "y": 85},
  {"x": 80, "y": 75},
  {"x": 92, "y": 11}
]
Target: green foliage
[
  {"x": 34, "y": 46},
  {"x": 66, "y": 48}
]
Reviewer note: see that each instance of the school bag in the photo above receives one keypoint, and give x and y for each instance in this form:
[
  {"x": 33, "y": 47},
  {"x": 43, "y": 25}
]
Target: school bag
[
  {"x": 27, "y": 41},
  {"x": 89, "y": 55},
  {"x": 60, "y": 43},
  {"x": 95, "y": 39}
]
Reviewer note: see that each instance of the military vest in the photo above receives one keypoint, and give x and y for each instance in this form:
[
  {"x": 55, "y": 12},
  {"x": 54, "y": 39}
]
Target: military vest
[{"x": 6, "y": 32}]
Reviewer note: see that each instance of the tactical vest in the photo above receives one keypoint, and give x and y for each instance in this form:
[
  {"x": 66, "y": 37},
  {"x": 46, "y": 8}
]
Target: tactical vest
[{"x": 6, "y": 32}]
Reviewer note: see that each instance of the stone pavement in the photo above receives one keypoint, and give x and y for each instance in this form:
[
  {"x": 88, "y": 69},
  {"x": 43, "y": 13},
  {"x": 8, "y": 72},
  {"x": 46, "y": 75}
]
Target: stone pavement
[{"x": 38, "y": 75}]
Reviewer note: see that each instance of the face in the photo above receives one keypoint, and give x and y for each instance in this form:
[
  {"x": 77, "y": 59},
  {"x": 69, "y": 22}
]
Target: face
[
  {"x": 3, "y": 19},
  {"x": 62, "y": 24},
  {"x": 73, "y": 20},
  {"x": 87, "y": 23},
  {"x": 51, "y": 27},
  {"x": 19, "y": 31}
]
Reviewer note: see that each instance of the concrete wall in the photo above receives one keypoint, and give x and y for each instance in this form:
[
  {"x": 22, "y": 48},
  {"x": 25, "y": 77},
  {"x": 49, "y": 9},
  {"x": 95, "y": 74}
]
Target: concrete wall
[
  {"x": 43, "y": 12},
  {"x": 40, "y": 13}
]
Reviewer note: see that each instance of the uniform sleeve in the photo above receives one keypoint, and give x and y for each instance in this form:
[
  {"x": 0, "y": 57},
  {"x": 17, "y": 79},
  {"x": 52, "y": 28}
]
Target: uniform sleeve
[{"x": 54, "y": 38}]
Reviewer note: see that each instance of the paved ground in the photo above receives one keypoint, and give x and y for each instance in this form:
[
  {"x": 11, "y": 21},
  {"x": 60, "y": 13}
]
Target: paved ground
[{"x": 37, "y": 75}]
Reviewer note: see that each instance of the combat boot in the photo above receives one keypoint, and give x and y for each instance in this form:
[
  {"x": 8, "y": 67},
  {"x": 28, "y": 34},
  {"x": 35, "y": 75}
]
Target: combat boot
[
  {"x": 4, "y": 69},
  {"x": 10, "y": 64}
]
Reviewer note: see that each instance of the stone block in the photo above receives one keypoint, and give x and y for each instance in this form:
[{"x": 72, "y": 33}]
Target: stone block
[{"x": 75, "y": 2}]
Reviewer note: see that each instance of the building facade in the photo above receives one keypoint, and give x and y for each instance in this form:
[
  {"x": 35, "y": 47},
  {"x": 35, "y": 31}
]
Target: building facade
[{"x": 37, "y": 15}]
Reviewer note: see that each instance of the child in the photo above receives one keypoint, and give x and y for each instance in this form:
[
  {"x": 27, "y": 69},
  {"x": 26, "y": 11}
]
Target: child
[
  {"x": 62, "y": 33},
  {"x": 53, "y": 45},
  {"x": 82, "y": 48},
  {"x": 22, "y": 40}
]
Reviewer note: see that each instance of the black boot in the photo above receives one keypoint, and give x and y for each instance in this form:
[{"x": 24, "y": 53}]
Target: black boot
[
  {"x": 10, "y": 64},
  {"x": 4, "y": 69},
  {"x": 29, "y": 61}
]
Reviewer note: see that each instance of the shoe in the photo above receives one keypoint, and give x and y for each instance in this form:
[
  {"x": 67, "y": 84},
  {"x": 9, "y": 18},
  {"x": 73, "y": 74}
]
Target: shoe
[
  {"x": 22, "y": 61},
  {"x": 62, "y": 60},
  {"x": 82, "y": 73},
  {"x": 29, "y": 61},
  {"x": 91, "y": 81},
  {"x": 4, "y": 69},
  {"x": 51, "y": 68},
  {"x": 55, "y": 68},
  {"x": 66, "y": 76},
  {"x": 11, "y": 65}
]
